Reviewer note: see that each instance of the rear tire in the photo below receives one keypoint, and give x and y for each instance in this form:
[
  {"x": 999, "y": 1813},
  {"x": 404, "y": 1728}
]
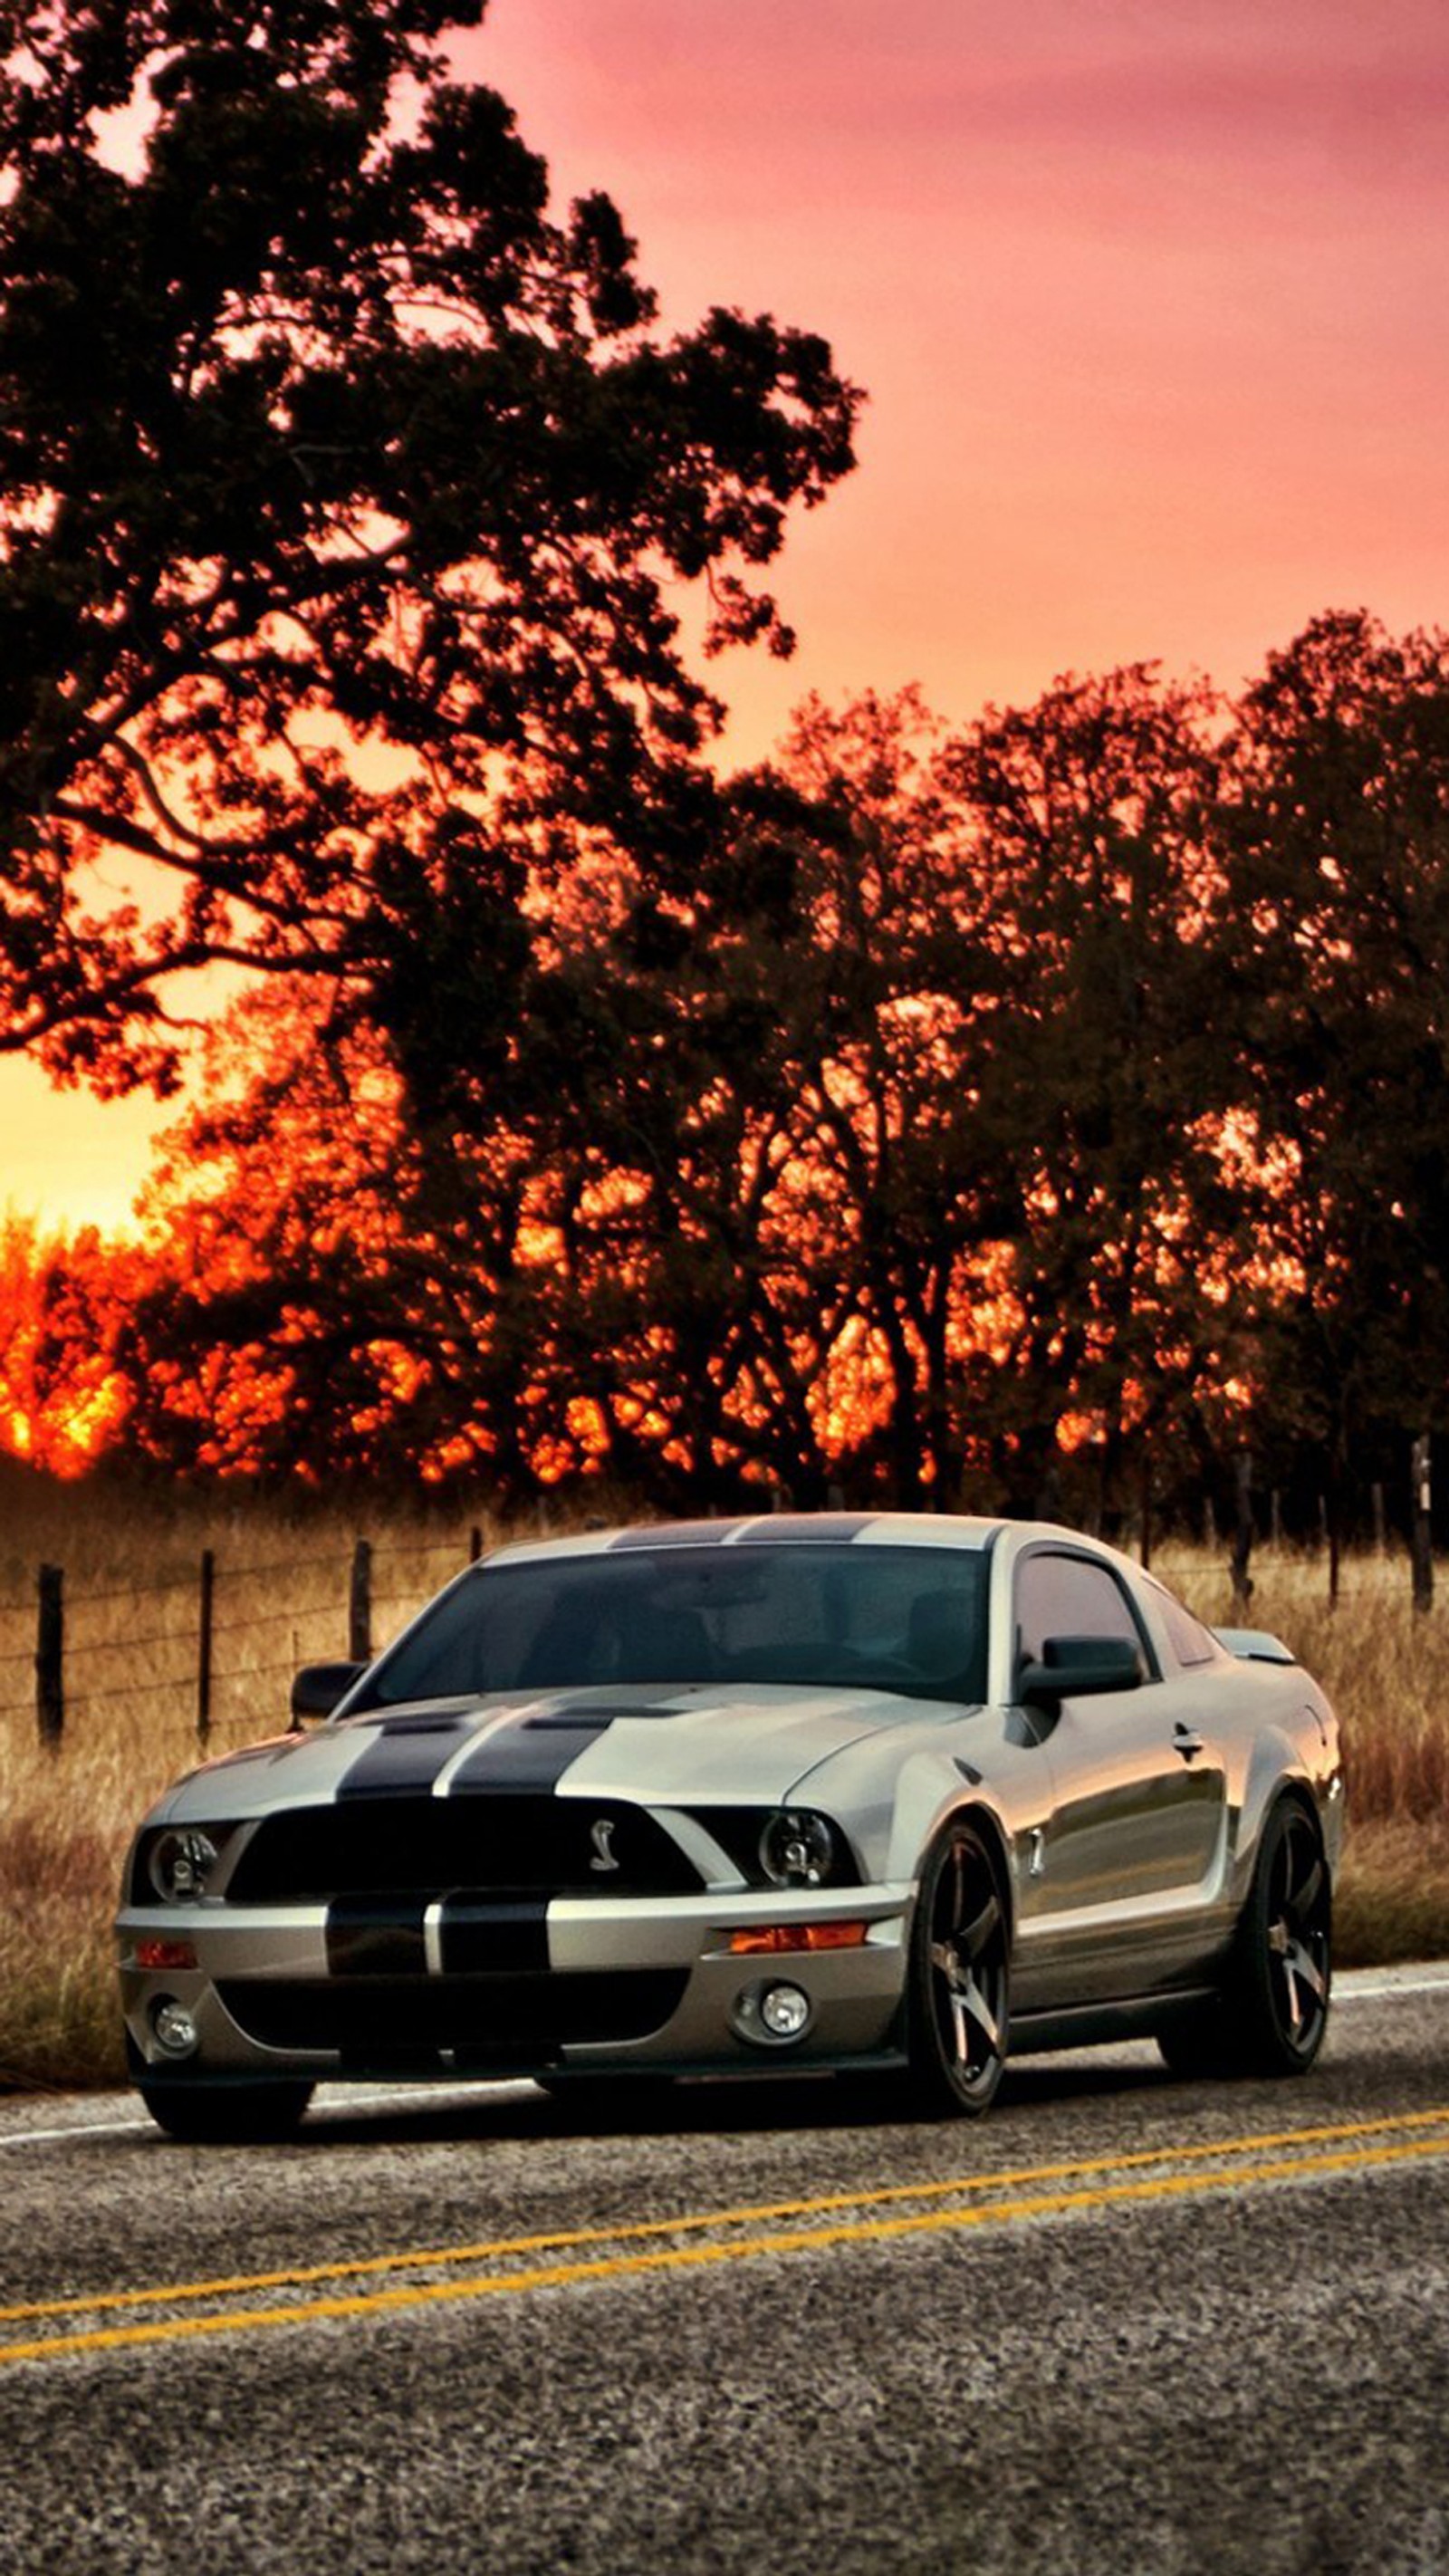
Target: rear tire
[
  {"x": 1273, "y": 2011},
  {"x": 1278, "y": 2002},
  {"x": 957, "y": 2003},
  {"x": 226, "y": 2114}
]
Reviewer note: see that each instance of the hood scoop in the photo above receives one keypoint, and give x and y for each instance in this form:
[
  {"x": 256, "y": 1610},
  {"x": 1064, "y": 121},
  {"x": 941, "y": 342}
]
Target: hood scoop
[{"x": 593, "y": 1715}]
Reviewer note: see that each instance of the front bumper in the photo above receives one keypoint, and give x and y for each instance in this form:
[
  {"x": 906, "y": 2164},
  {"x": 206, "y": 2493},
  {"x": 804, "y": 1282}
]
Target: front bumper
[{"x": 579, "y": 1984}]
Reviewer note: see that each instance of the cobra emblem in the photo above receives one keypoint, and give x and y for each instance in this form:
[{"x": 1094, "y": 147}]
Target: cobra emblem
[{"x": 601, "y": 1835}]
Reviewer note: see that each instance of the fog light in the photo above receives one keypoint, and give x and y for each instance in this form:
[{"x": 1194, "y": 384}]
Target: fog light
[
  {"x": 784, "y": 2011},
  {"x": 175, "y": 2030}
]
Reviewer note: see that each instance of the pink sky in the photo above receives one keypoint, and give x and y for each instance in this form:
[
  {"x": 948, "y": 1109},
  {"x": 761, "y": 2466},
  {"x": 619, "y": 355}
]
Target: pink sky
[{"x": 1150, "y": 304}]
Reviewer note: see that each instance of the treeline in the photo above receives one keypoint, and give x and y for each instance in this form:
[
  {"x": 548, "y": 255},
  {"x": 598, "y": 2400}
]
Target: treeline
[
  {"x": 979, "y": 1114},
  {"x": 1007, "y": 1115}
]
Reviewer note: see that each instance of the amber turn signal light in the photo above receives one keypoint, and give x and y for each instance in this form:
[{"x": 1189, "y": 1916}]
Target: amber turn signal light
[
  {"x": 758, "y": 1940},
  {"x": 165, "y": 1954}
]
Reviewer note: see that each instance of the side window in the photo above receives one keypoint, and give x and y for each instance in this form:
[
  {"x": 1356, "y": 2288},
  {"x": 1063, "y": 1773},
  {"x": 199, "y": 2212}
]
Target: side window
[
  {"x": 1191, "y": 1642},
  {"x": 1066, "y": 1596}
]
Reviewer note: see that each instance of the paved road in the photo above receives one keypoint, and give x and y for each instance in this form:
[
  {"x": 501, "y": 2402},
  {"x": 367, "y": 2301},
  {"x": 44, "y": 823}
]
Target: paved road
[{"x": 1124, "y": 2324}]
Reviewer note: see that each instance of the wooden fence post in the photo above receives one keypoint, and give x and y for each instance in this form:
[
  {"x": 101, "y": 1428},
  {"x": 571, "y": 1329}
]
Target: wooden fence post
[
  {"x": 203, "y": 1645},
  {"x": 1242, "y": 1529},
  {"x": 359, "y": 1604},
  {"x": 50, "y": 1656},
  {"x": 1421, "y": 1543},
  {"x": 1335, "y": 1553}
]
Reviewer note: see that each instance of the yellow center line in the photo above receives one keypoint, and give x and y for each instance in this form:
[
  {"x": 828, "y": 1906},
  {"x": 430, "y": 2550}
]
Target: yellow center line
[
  {"x": 565, "y": 2240},
  {"x": 994, "y": 2212}
]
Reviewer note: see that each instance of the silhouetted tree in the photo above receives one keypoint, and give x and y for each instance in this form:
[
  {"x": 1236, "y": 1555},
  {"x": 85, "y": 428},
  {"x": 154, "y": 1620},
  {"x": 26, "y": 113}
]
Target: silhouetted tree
[
  {"x": 1103, "y": 1070},
  {"x": 979, "y": 1112},
  {"x": 342, "y": 493},
  {"x": 1335, "y": 845}
]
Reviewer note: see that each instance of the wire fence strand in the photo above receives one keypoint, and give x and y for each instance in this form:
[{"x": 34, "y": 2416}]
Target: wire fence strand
[{"x": 211, "y": 1635}]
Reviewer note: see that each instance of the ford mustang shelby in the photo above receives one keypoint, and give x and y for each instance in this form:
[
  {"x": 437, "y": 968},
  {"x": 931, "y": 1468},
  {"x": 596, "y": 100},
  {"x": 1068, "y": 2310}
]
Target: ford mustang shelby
[{"x": 880, "y": 1792}]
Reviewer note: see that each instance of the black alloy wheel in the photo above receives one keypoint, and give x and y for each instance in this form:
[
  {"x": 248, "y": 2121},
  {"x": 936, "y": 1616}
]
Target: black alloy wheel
[
  {"x": 1285, "y": 1971},
  {"x": 1273, "y": 2010},
  {"x": 959, "y": 1976}
]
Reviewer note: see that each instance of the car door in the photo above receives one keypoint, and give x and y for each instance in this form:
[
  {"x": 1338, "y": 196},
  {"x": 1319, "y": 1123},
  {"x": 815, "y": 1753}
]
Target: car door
[{"x": 1121, "y": 1877}]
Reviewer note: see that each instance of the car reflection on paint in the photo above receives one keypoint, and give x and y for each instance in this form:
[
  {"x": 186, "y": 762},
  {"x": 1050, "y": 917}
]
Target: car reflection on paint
[{"x": 885, "y": 1793}]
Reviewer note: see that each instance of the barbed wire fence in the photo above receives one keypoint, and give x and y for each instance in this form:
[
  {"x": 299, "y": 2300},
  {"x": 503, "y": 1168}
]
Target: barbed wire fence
[{"x": 213, "y": 1649}]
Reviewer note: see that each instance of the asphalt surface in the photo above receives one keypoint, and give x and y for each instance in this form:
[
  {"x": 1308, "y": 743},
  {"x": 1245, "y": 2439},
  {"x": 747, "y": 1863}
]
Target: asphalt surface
[{"x": 1123, "y": 2324}]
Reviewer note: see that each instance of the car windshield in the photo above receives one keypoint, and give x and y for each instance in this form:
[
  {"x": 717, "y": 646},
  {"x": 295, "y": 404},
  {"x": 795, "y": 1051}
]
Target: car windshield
[{"x": 902, "y": 1619}]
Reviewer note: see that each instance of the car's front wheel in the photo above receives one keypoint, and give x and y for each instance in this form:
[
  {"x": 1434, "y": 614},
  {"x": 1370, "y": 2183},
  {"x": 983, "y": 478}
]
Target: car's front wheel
[
  {"x": 226, "y": 2114},
  {"x": 959, "y": 1975}
]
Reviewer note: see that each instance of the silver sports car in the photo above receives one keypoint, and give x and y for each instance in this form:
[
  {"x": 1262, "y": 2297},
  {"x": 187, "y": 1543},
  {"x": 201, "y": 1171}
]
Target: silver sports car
[{"x": 886, "y": 1792}]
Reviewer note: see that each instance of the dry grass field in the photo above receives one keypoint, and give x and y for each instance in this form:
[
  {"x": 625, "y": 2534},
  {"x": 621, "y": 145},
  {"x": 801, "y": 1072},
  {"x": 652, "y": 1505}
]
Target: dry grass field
[
  {"x": 281, "y": 1595},
  {"x": 1386, "y": 1669}
]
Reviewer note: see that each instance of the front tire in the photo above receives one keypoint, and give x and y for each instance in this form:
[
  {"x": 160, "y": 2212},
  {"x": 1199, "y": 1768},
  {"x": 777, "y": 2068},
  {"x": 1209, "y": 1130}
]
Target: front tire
[
  {"x": 958, "y": 1996},
  {"x": 226, "y": 2114}
]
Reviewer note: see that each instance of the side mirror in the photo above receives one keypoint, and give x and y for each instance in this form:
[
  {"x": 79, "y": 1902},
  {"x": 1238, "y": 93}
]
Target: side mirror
[
  {"x": 319, "y": 1688},
  {"x": 1079, "y": 1668}
]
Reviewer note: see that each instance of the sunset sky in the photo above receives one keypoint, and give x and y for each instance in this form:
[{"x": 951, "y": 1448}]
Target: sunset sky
[{"x": 1150, "y": 305}]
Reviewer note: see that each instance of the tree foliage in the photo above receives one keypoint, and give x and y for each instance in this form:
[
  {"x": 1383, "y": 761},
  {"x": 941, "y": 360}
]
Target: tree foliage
[
  {"x": 995, "y": 1112},
  {"x": 941, "y": 1115},
  {"x": 1334, "y": 839},
  {"x": 347, "y": 495}
]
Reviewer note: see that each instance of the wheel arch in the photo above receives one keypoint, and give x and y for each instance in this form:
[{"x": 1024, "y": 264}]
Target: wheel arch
[
  {"x": 1277, "y": 1775},
  {"x": 976, "y": 1811}
]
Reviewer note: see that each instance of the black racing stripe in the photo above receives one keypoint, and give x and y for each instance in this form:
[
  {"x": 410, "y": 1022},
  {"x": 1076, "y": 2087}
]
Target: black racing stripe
[
  {"x": 481, "y": 1937},
  {"x": 524, "y": 1755},
  {"x": 677, "y": 1534},
  {"x": 376, "y": 1936},
  {"x": 408, "y": 1753},
  {"x": 820, "y": 1526}
]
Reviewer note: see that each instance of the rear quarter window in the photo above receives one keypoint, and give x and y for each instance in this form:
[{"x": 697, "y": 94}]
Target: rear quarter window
[{"x": 1191, "y": 1642}]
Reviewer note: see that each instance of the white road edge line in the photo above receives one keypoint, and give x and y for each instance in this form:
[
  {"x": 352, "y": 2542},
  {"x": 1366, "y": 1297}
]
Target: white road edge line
[
  {"x": 1352, "y": 1986},
  {"x": 353, "y": 2098},
  {"x": 1387, "y": 1988}
]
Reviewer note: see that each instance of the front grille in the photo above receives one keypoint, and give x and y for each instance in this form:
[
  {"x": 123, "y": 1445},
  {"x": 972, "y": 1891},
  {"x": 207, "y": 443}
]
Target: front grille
[
  {"x": 489, "y": 2025},
  {"x": 509, "y": 1846}
]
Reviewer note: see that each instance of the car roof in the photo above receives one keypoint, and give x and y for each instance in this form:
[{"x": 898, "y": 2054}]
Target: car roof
[{"x": 788, "y": 1529}]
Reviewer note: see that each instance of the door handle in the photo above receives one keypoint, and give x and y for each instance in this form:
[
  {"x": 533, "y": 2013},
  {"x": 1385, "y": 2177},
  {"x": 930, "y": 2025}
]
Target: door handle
[{"x": 1186, "y": 1742}]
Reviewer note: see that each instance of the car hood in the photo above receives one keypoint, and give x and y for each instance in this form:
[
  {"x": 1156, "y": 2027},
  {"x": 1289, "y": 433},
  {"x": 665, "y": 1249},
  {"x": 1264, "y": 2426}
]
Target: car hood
[{"x": 653, "y": 1743}]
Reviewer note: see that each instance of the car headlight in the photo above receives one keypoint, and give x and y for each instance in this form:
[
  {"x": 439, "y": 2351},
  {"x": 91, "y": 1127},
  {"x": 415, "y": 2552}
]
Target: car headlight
[
  {"x": 180, "y": 1862},
  {"x": 797, "y": 1848}
]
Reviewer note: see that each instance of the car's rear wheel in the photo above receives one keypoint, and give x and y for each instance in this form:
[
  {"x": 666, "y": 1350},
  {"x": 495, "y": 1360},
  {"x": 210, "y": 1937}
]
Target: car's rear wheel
[
  {"x": 1279, "y": 2006},
  {"x": 1273, "y": 2011},
  {"x": 959, "y": 1975},
  {"x": 226, "y": 2114}
]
